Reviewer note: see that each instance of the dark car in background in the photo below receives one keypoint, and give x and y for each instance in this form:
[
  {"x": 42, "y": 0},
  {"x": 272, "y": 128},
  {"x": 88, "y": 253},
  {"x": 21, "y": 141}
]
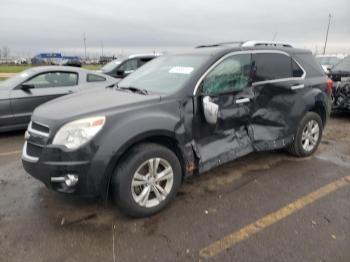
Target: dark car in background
[
  {"x": 340, "y": 74},
  {"x": 121, "y": 68},
  {"x": 22, "y": 93},
  {"x": 176, "y": 116}
]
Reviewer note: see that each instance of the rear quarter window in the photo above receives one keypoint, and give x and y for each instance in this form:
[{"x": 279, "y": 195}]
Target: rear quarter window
[
  {"x": 310, "y": 65},
  {"x": 95, "y": 78}
]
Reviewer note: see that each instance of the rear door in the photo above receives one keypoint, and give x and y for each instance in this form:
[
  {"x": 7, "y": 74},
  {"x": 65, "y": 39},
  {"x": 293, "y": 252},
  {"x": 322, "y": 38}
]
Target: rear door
[
  {"x": 46, "y": 86},
  {"x": 228, "y": 88},
  {"x": 279, "y": 85}
]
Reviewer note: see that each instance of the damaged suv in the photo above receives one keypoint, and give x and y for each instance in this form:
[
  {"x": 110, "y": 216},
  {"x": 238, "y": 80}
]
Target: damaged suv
[
  {"x": 177, "y": 116},
  {"x": 340, "y": 74}
]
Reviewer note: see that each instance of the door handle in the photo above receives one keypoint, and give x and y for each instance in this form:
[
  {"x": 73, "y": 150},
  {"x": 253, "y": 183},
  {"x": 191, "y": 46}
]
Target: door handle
[
  {"x": 296, "y": 87},
  {"x": 242, "y": 100}
]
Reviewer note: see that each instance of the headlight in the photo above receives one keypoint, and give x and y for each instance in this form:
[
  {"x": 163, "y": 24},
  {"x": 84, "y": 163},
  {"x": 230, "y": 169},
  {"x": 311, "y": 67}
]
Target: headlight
[{"x": 76, "y": 133}]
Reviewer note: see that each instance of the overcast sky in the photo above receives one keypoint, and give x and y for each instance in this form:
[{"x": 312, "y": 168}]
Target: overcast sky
[{"x": 31, "y": 26}]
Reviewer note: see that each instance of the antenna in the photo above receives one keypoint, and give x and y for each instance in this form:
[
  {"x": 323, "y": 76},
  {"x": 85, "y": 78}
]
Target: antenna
[
  {"x": 325, "y": 43},
  {"x": 274, "y": 36}
]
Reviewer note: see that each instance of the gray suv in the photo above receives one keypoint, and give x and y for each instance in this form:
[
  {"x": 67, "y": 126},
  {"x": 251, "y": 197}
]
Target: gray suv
[{"x": 177, "y": 116}]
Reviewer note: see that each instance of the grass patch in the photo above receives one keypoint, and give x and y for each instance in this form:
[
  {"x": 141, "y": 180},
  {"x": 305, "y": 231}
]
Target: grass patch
[
  {"x": 92, "y": 67},
  {"x": 20, "y": 68},
  {"x": 13, "y": 68},
  {"x": 2, "y": 78}
]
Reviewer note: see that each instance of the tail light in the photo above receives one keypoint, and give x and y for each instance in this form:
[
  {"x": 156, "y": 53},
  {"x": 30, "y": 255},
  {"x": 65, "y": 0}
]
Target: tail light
[{"x": 329, "y": 86}]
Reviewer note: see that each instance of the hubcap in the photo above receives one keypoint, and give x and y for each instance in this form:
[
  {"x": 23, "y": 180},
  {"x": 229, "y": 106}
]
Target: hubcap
[
  {"x": 310, "y": 135},
  {"x": 152, "y": 182}
]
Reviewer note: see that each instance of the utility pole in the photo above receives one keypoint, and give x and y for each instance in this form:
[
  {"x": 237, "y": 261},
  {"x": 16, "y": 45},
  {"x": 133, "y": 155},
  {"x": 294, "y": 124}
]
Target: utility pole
[
  {"x": 102, "y": 47},
  {"x": 84, "y": 45},
  {"x": 325, "y": 43}
]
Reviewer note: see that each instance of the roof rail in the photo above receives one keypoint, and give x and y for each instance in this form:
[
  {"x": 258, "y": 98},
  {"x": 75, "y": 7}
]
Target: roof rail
[
  {"x": 234, "y": 43},
  {"x": 265, "y": 43}
]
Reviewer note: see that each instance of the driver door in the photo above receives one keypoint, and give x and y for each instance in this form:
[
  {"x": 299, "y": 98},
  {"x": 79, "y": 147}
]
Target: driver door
[
  {"x": 225, "y": 101},
  {"x": 42, "y": 88}
]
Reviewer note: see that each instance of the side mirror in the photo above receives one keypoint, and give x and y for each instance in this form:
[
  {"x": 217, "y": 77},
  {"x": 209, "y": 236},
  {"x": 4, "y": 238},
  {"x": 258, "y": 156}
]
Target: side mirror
[
  {"x": 26, "y": 87},
  {"x": 210, "y": 110}
]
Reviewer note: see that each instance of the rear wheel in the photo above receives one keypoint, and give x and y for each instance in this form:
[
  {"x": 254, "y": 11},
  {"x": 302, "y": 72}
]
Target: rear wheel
[
  {"x": 308, "y": 136},
  {"x": 146, "y": 180}
]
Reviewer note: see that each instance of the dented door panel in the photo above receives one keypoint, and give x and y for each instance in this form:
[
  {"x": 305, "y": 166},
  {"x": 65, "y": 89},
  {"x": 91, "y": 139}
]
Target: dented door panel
[
  {"x": 229, "y": 138},
  {"x": 276, "y": 113}
]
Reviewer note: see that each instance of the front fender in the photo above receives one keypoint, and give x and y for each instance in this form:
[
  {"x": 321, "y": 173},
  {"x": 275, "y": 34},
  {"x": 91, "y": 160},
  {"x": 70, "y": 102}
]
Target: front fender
[{"x": 126, "y": 131}]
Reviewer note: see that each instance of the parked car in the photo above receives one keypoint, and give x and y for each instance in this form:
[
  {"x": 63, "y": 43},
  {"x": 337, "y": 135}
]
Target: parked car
[
  {"x": 20, "y": 94},
  {"x": 71, "y": 62},
  {"x": 328, "y": 61},
  {"x": 340, "y": 74},
  {"x": 121, "y": 68},
  {"x": 176, "y": 116}
]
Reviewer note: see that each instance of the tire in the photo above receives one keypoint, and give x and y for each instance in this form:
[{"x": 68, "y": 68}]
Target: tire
[
  {"x": 299, "y": 146},
  {"x": 159, "y": 192}
]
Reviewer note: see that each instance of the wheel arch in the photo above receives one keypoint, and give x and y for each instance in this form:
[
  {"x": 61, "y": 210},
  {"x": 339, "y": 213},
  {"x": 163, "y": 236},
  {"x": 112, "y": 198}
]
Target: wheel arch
[
  {"x": 320, "y": 109},
  {"x": 161, "y": 137}
]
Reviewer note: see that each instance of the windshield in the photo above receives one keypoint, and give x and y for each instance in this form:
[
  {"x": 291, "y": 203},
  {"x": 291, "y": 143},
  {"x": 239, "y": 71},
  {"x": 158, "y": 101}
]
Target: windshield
[
  {"x": 16, "y": 79},
  {"x": 165, "y": 74},
  {"x": 328, "y": 60},
  {"x": 344, "y": 65},
  {"x": 111, "y": 65}
]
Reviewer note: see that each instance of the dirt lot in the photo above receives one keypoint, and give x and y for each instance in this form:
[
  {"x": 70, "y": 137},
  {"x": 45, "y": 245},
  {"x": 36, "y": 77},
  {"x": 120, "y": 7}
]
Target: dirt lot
[{"x": 263, "y": 207}]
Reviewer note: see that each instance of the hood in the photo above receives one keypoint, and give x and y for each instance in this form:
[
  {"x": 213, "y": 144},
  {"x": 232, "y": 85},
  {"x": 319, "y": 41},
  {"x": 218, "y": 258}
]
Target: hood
[{"x": 89, "y": 103}]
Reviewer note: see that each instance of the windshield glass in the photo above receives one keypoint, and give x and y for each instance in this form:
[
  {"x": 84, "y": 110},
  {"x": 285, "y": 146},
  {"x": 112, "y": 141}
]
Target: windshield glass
[
  {"x": 111, "y": 65},
  {"x": 165, "y": 74},
  {"x": 344, "y": 65},
  {"x": 16, "y": 79},
  {"x": 328, "y": 60}
]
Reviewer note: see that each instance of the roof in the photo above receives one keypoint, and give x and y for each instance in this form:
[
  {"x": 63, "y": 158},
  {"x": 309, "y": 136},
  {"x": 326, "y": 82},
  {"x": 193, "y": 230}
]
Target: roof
[
  {"x": 58, "y": 68},
  {"x": 222, "y": 50}
]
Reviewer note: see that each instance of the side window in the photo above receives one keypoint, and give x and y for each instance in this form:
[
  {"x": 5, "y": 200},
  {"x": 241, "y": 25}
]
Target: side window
[
  {"x": 296, "y": 70},
  {"x": 272, "y": 66},
  {"x": 54, "y": 79},
  {"x": 95, "y": 78},
  {"x": 144, "y": 60},
  {"x": 129, "y": 65},
  {"x": 231, "y": 75}
]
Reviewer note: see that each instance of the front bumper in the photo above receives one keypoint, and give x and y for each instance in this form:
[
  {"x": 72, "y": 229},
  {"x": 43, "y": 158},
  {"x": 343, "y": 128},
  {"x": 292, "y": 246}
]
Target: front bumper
[{"x": 55, "y": 164}]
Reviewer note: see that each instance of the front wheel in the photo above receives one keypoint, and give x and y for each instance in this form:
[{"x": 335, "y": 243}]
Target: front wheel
[
  {"x": 308, "y": 136},
  {"x": 146, "y": 180}
]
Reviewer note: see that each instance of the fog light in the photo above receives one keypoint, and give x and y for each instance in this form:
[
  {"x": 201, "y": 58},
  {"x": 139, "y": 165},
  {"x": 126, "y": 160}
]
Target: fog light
[{"x": 71, "y": 180}]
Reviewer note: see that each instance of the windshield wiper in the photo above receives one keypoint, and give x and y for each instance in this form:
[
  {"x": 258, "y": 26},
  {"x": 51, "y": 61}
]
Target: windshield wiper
[{"x": 134, "y": 89}]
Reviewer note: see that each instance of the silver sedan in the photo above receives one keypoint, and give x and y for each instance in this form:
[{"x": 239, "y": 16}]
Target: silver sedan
[{"x": 22, "y": 93}]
